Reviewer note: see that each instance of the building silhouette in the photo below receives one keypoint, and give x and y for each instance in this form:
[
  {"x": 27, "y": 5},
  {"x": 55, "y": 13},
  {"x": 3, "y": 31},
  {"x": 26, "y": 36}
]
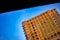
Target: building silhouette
[{"x": 45, "y": 26}]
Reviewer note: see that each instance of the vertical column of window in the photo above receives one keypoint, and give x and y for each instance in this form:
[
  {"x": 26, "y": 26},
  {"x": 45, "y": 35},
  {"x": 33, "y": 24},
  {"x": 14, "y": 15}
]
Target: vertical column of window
[
  {"x": 37, "y": 30},
  {"x": 44, "y": 31},
  {"x": 30, "y": 32},
  {"x": 58, "y": 24},
  {"x": 48, "y": 26},
  {"x": 56, "y": 20},
  {"x": 41, "y": 27},
  {"x": 55, "y": 34},
  {"x": 33, "y": 35},
  {"x": 56, "y": 17},
  {"x": 45, "y": 25},
  {"x": 37, "y": 24},
  {"x": 53, "y": 23},
  {"x": 50, "y": 23}
]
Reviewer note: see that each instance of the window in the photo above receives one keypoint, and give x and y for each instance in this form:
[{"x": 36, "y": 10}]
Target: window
[
  {"x": 55, "y": 34},
  {"x": 44, "y": 38},
  {"x": 58, "y": 32},
  {"x": 51, "y": 35},
  {"x": 32, "y": 36},
  {"x": 48, "y": 38},
  {"x": 36, "y": 35},
  {"x": 37, "y": 38},
  {"x": 31, "y": 22},
  {"x": 35, "y": 32},
  {"x": 45, "y": 22},
  {"x": 32, "y": 25},
  {"x": 59, "y": 26},
  {"x": 55, "y": 21},
  {"x": 58, "y": 39}
]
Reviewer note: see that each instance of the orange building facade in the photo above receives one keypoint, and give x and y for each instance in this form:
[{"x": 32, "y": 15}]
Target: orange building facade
[{"x": 45, "y": 26}]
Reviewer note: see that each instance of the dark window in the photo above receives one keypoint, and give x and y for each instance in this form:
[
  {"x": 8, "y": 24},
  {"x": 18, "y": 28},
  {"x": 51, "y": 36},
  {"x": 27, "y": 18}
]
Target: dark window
[
  {"x": 51, "y": 35},
  {"x": 58, "y": 32},
  {"x": 59, "y": 26},
  {"x": 32, "y": 36},
  {"x": 55, "y": 21},
  {"x": 44, "y": 22},
  {"x": 37, "y": 38},
  {"x": 44, "y": 38},
  {"x": 36, "y": 35},
  {"x": 58, "y": 39},
  {"x": 54, "y": 18},
  {"x": 35, "y": 32},
  {"x": 31, "y": 22},
  {"x": 41, "y": 23},
  {"x": 48, "y": 38},
  {"x": 55, "y": 34},
  {"x": 32, "y": 25}
]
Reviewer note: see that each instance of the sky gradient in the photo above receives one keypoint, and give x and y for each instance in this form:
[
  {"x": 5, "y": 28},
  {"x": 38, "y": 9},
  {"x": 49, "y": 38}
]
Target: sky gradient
[{"x": 11, "y": 22}]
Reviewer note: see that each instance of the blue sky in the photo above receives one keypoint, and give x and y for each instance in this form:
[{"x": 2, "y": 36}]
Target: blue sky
[{"x": 11, "y": 22}]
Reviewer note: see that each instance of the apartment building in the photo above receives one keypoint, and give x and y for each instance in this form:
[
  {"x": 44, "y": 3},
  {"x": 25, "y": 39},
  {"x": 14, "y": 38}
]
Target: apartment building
[{"x": 45, "y": 26}]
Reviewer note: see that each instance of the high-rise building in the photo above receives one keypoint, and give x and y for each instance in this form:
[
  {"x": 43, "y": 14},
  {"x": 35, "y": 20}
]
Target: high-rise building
[{"x": 45, "y": 26}]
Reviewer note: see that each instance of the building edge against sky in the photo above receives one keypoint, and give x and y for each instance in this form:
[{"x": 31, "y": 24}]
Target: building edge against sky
[{"x": 52, "y": 13}]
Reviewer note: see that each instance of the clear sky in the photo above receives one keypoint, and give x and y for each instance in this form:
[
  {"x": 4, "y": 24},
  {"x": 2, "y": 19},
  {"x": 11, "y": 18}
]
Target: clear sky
[{"x": 11, "y": 22}]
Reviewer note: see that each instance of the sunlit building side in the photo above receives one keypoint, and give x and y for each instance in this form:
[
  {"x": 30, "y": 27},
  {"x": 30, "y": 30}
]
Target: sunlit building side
[{"x": 45, "y": 26}]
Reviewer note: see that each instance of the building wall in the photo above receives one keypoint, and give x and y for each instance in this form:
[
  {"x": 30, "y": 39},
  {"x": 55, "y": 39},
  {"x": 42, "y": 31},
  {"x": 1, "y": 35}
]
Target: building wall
[{"x": 42, "y": 27}]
